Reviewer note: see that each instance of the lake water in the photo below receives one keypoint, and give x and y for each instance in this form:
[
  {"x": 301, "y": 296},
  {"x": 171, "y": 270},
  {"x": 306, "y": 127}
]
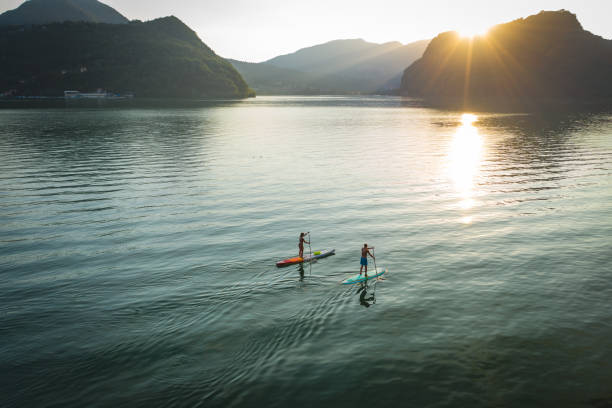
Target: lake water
[{"x": 138, "y": 250}]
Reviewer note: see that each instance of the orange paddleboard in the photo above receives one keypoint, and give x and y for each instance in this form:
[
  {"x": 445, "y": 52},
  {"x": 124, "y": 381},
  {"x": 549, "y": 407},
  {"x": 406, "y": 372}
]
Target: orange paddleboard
[
  {"x": 315, "y": 255},
  {"x": 289, "y": 261}
]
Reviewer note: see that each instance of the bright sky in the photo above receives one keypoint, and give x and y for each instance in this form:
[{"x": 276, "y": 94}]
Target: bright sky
[{"x": 256, "y": 30}]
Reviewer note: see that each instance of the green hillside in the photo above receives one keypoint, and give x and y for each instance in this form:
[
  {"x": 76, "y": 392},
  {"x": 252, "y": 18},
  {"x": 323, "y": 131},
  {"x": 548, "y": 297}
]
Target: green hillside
[{"x": 159, "y": 58}]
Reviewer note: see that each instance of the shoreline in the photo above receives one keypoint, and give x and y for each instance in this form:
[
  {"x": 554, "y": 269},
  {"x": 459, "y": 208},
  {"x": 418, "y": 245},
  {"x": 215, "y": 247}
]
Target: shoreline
[{"x": 62, "y": 102}]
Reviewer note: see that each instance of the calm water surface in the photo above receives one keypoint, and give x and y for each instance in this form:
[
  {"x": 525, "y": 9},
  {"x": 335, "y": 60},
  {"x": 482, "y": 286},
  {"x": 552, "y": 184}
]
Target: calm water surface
[{"x": 138, "y": 249}]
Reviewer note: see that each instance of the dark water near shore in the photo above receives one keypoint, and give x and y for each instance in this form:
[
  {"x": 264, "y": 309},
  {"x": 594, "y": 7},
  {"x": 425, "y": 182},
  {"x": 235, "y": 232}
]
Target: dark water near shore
[{"x": 137, "y": 251}]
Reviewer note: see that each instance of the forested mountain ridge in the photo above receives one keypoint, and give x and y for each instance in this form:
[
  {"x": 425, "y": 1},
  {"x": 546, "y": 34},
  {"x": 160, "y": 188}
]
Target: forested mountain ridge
[
  {"x": 159, "y": 58},
  {"x": 57, "y": 11}
]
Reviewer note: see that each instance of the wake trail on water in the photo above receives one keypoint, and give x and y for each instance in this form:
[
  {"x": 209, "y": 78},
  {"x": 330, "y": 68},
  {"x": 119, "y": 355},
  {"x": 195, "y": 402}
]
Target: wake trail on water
[{"x": 266, "y": 349}]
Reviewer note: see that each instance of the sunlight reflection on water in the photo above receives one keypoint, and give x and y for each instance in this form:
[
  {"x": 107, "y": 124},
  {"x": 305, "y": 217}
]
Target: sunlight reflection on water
[{"x": 464, "y": 157}]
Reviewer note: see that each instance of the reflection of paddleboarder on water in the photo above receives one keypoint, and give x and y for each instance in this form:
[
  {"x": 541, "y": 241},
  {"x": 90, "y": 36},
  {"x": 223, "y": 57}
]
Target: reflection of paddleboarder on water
[{"x": 364, "y": 299}]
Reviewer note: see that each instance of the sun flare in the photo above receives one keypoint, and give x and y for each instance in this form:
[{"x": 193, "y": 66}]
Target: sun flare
[
  {"x": 467, "y": 119},
  {"x": 471, "y": 32}
]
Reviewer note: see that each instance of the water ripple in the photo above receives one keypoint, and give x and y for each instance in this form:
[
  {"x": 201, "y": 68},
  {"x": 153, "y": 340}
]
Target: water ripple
[{"x": 138, "y": 249}]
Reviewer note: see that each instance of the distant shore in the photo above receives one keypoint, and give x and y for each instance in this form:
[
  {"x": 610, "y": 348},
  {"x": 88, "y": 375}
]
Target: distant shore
[{"x": 38, "y": 102}]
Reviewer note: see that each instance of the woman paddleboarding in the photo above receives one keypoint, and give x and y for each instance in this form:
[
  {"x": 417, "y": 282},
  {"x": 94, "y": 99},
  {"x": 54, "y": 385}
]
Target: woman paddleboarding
[{"x": 301, "y": 244}]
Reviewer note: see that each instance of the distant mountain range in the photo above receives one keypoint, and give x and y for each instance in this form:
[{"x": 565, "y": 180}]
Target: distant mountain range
[
  {"x": 159, "y": 58},
  {"x": 545, "y": 56},
  {"x": 336, "y": 67},
  {"x": 57, "y": 11}
]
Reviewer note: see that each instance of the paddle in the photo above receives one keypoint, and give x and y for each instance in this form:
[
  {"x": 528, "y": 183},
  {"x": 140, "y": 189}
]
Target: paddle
[
  {"x": 375, "y": 268},
  {"x": 374, "y": 258},
  {"x": 310, "y": 250}
]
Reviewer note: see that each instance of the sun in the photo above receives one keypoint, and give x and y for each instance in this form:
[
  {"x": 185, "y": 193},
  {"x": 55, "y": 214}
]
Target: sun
[
  {"x": 471, "y": 32},
  {"x": 467, "y": 119}
]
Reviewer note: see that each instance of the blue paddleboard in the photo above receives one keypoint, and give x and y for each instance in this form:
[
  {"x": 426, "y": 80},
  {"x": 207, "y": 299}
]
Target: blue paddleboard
[{"x": 361, "y": 278}]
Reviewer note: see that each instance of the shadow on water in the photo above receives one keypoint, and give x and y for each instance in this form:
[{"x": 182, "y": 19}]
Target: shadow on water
[
  {"x": 305, "y": 271},
  {"x": 510, "y": 105},
  {"x": 545, "y": 141},
  {"x": 546, "y": 125},
  {"x": 367, "y": 293},
  {"x": 301, "y": 271},
  {"x": 539, "y": 137}
]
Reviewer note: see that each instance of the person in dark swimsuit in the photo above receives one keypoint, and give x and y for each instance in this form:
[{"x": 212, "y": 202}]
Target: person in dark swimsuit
[
  {"x": 301, "y": 244},
  {"x": 365, "y": 251}
]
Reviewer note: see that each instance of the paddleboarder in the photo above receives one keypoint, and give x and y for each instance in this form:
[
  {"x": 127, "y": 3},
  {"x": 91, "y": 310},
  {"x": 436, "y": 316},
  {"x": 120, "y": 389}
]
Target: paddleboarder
[
  {"x": 365, "y": 251},
  {"x": 301, "y": 244}
]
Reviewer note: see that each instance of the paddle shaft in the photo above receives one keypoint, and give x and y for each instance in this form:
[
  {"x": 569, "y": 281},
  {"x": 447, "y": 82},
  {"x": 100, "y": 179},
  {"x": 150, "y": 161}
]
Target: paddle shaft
[
  {"x": 374, "y": 257},
  {"x": 310, "y": 250}
]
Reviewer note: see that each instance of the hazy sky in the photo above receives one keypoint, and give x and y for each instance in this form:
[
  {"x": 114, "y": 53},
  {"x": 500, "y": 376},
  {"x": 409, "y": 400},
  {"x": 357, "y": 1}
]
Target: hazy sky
[{"x": 256, "y": 30}]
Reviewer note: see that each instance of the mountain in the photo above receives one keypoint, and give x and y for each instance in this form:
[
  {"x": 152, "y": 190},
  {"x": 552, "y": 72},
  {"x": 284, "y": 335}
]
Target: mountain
[
  {"x": 57, "y": 11},
  {"x": 280, "y": 81},
  {"x": 272, "y": 80},
  {"x": 544, "y": 56},
  {"x": 341, "y": 66},
  {"x": 159, "y": 58}
]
